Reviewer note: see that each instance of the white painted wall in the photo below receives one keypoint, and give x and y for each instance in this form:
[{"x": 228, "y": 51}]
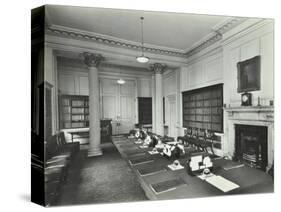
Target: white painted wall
[
  {"x": 144, "y": 87},
  {"x": 50, "y": 76},
  {"x": 203, "y": 71},
  {"x": 73, "y": 83},
  {"x": 171, "y": 103},
  {"x": 257, "y": 40},
  {"x": 73, "y": 80}
]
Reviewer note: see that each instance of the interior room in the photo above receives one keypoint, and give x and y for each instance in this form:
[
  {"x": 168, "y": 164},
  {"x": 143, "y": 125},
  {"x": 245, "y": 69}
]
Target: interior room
[{"x": 132, "y": 105}]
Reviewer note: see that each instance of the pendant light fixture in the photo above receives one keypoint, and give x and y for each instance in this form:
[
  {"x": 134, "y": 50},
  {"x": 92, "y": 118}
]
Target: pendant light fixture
[
  {"x": 142, "y": 58},
  {"x": 120, "y": 81}
]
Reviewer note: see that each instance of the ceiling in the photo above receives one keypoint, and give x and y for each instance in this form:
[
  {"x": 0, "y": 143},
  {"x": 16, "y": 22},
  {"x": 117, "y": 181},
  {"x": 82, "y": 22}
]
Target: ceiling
[{"x": 173, "y": 31}]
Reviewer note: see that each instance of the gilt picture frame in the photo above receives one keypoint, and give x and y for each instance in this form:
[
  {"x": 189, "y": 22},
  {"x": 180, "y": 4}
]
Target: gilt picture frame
[{"x": 249, "y": 75}]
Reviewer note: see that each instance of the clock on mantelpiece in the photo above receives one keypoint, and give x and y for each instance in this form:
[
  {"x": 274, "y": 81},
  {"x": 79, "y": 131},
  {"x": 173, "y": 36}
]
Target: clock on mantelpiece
[{"x": 246, "y": 99}]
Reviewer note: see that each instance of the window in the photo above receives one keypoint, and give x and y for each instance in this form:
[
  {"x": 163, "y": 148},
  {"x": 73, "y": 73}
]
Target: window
[{"x": 202, "y": 108}]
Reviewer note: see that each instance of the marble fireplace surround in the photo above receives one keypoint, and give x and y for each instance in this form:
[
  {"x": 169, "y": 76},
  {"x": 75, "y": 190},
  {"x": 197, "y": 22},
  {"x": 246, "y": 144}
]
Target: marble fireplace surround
[{"x": 248, "y": 115}]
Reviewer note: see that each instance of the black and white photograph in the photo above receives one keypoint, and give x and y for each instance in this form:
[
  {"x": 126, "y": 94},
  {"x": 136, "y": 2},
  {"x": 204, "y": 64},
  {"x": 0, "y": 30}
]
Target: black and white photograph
[{"x": 136, "y": 105}]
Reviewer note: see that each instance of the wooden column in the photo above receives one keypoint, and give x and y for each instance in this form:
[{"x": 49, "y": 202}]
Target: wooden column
[{"x": 93, "y": 61}]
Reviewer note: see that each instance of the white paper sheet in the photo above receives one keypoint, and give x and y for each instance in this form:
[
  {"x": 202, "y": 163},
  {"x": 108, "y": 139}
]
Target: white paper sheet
[
  {"x": 153, "y": 152},
  {"x": 172, "y": 142},
  {"x": 221, "y": 183},
  {"x": 173, "y": 167}
]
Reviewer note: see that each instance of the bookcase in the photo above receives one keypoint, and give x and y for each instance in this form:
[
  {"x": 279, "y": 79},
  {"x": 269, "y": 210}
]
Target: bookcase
[
  {"x": 74, "y": 111},
  {"x": 202, "y": 108}
]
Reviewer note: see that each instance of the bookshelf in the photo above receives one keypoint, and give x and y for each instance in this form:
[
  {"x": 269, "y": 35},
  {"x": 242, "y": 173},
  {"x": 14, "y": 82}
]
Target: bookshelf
[
  {"x": 203, "y": 108},
  {"x": 74, "y": 112}
]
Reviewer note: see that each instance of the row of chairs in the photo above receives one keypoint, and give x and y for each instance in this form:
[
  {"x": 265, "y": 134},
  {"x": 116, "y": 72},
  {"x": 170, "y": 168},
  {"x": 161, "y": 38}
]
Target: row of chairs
[
  {"x": 58, "y": 157},
  {"x": 202, "y": 139}
]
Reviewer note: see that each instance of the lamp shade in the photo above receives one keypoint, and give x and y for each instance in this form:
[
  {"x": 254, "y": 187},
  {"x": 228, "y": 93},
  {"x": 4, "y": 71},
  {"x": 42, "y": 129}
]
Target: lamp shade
[
  {"x": 142, "y": 59},
  {"x": 121, "y": 81}
]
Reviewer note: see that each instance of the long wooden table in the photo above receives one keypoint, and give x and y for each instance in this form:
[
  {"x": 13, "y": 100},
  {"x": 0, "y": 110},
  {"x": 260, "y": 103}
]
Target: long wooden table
[{"x": 249, "y": 179}]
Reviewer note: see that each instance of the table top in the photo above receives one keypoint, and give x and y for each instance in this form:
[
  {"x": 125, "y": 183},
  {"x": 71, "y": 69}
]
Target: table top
[{"x": 249, "y": 179}]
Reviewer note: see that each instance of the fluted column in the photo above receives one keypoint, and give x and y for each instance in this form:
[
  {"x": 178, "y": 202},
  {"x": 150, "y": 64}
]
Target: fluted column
[
  {"x": 93, "y": 61},
  {"x": 158, "y": 96}
]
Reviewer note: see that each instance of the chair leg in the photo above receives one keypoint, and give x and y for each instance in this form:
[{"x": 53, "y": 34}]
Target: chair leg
[{"x": 212, "y": 149}]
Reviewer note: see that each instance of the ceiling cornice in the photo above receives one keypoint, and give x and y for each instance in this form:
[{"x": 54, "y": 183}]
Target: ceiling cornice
[
  {"x": 111, "y": 41},
  {"x": 207, "y": 41},
  {"x": 216, "y": 35},
  {"x": 79, "y": 63}
]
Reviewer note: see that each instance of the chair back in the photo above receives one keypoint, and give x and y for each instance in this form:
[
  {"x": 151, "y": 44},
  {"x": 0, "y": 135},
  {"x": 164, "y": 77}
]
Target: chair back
[
  {"x": 51, "y": 146},
  {"x": 194, "y": 133},
  {"x": 62, "y": 138},
  {"x": 209, "y": 135},
  {"x": 189, "y": 132},
  {"x": 201, "y": 134}
]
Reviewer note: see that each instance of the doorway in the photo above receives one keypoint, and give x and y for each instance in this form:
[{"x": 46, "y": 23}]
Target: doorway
[
  {"x": 118, "y": 104},
  {"x": 170, "y": 115}
]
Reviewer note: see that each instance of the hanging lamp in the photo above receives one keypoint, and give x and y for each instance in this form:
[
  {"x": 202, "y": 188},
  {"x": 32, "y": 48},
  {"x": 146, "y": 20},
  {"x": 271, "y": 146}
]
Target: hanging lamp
[
  {"x": 120, "y": 81},
  {"x": 142, "y": 58}
]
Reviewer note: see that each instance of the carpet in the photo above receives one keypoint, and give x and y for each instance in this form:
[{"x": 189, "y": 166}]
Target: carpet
[{"x": 101, "y": 179}]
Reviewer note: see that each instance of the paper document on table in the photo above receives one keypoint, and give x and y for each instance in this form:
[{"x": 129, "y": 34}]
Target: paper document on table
[
  {"x": 143, "y": 147},
  {"x": 172, "y": 142},
  {"x": 205, "y": 176},
  {"x": 153, "y": 152},
  {"x": 174, "y": 167},
  {"x": 222, "y": 183}
]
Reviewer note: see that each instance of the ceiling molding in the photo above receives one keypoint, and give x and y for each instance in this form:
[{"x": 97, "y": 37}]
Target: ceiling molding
[
  {"x": 112, "y": 41},
  {"x": 216, "y": 35},
  {"x": 124, "y": 67},
  {"x": 78, "y": 63},
  {"x": 207, "y": 41}
]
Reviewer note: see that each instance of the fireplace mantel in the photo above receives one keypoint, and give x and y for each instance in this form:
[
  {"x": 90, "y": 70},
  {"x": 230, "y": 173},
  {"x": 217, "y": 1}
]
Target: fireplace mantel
[
  {"x": 253, "y": 113},
  {"x": 250, "y": 109},
  {"x": 249, "y": 115}
]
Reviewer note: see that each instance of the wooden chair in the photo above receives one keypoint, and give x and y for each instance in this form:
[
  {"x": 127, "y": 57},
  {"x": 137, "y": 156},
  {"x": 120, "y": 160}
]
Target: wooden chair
[
  {"x": 209, "y": 136},
  {"x": 200, "y": 142},
  {"x": 188, "y": 136},
  {"x": 205, "y": 141}
]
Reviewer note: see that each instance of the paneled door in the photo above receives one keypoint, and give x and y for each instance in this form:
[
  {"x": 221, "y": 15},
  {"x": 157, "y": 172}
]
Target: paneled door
[
  {"x": 170, "y": 115},
  {"x": 118, "y": 104}
]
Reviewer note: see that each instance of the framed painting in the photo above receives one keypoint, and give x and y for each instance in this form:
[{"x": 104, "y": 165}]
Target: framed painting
[{"x": 249, "y": 75}]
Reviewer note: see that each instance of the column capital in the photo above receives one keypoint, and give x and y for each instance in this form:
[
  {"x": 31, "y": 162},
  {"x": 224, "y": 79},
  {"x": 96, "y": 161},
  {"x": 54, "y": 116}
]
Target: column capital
[
  {"x": 158, "y": 68},
  {"x": 92, "y": 59}
]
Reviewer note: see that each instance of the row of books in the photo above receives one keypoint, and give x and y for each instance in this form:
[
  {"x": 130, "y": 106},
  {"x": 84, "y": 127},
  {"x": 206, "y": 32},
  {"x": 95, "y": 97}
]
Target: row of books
[
  {"x": 79, "y": 117},
  {"x": 75, "y": 103},
  {"x": 75, "y": 110},
  {"x": 75, "y": 124}
]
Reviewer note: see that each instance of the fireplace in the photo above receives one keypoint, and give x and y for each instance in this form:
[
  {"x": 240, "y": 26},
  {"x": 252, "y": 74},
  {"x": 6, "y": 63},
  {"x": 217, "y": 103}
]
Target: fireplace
[{"x": 251, "y": 145}]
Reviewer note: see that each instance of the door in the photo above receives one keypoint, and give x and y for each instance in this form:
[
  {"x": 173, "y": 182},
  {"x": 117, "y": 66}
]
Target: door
[
  {"x": 118, "y": 104},
  {"x": 172, "y": 128},
  {"x": 170, "y": 118},
  {"x": 126, "y": 107}
]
